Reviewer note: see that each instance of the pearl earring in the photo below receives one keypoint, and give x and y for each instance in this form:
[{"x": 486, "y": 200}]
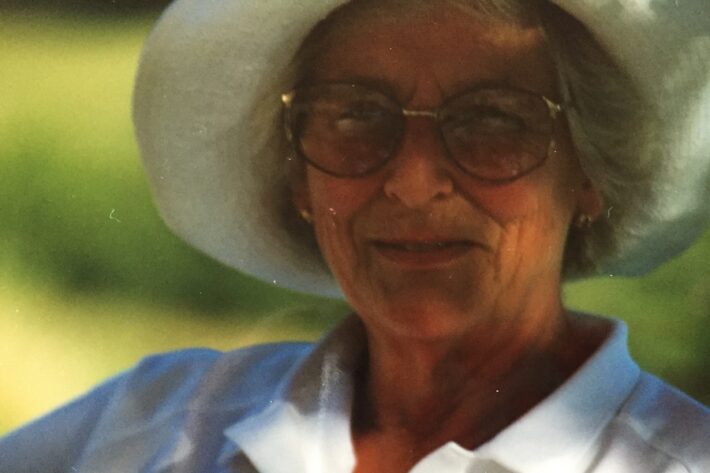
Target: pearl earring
[{"x": 306, "y": 215}]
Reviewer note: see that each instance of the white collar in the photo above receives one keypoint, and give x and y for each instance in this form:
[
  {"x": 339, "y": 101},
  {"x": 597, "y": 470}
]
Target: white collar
[
  {"x": 307, "y": 428},
  {"x": 558, "y": 434}
]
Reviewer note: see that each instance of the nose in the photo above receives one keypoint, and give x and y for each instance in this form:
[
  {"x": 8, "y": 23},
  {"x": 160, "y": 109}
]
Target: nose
[{"x": 418, "y": 174}]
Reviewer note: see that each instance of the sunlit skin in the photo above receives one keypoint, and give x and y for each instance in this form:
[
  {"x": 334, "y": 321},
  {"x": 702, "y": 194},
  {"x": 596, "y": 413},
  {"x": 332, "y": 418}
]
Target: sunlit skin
[{"x": 457, "y": 348}]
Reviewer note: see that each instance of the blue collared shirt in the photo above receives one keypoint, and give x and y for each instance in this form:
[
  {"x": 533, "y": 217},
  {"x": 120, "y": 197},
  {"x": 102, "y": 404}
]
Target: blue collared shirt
[{"x": 285, "y": 408}]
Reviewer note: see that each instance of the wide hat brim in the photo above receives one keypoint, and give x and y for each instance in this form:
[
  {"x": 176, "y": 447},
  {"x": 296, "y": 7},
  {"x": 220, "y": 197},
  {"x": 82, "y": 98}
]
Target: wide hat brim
[{"x": 207, "y": 64}]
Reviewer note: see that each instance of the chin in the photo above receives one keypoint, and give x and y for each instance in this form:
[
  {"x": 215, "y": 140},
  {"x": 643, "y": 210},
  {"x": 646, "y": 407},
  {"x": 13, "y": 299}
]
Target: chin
[{"x": 422, "y": 314}]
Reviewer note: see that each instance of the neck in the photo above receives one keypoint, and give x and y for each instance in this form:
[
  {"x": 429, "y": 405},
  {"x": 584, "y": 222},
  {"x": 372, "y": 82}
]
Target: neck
[{"x": 466, "y": 388}]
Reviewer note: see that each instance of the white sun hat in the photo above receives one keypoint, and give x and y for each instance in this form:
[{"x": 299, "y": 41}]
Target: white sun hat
[{"x": 209, "y": 64}]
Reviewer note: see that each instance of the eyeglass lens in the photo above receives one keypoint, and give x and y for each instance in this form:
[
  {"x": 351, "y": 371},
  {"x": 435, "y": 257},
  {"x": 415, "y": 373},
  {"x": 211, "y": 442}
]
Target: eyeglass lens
[{"x": 350, "y": 130}]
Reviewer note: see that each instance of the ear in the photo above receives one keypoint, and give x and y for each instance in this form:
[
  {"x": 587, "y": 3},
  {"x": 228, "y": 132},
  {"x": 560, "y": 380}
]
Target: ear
[{"x": 589, "y": 201}]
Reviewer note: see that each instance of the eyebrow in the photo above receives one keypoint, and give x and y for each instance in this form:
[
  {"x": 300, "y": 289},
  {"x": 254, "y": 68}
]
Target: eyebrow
[
  {"x": 376, "y": 83},
  {"x": 386, "y": 87}
]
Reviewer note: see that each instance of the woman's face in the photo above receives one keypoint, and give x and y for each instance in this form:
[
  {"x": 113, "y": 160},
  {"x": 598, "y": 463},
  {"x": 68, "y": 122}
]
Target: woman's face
[{"x": 419, "y": 247}]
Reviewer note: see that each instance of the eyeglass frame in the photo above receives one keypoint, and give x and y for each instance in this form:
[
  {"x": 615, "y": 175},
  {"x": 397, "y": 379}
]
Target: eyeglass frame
[{"x": 554, "y": 110}]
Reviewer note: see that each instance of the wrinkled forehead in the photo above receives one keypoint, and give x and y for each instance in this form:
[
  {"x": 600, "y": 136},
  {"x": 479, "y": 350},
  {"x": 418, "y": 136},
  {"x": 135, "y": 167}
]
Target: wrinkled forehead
[
  {"x": 522, "y": 13},
  {"x": 359, "y": 13},
  {"x": 449, "y": 42}
]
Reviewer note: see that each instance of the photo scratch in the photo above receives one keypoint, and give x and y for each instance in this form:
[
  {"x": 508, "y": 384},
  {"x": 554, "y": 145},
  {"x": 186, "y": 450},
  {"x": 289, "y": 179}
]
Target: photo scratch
[{"x": 112, "y": 216}]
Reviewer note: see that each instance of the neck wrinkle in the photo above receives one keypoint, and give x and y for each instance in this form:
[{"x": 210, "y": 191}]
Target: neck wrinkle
[{"x": 463, "y": 393}]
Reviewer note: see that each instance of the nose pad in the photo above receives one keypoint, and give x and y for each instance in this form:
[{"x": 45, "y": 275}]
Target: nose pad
[{"x": 419, "y": 173}]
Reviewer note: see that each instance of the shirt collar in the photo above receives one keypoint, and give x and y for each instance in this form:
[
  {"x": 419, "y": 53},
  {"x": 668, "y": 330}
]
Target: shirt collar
[
  {"x": 307, "y": 426},
  {"x": 559, "y": 433},
  {"x": 313, "y": 409}
]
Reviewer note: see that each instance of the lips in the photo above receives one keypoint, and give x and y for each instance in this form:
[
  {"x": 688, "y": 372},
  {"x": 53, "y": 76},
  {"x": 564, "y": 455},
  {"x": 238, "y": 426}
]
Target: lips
[
  {"x": 421, "y": 246},
  {"x": 423, "y": 253}
]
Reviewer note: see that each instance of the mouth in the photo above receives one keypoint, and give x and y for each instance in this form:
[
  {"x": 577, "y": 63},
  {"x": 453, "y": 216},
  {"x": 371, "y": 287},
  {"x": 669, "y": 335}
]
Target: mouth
[
  {"x": 424, "y": 253},
  {"x": 421, "y": 246}
]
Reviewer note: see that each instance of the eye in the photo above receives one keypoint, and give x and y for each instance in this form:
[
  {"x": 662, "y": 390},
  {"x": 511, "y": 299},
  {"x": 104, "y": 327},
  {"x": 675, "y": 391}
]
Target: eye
[
  {"x": 358, "y": 116},
  {"x": 485, "y": 120}
]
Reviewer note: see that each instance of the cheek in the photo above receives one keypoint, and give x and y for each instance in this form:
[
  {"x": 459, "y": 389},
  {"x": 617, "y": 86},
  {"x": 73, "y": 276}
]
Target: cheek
[
  {"x": 533, "y": 218},
  {"x": 333, "y": 233},
  {"x": 543, "y": 196},
  {"x": 515, "y": 203},
  {"x": 335, "y": 204},
  {"x": 331, "y": 210},
  {"x": 505, "y": 204},
  {"x": 338, "y": 197}
]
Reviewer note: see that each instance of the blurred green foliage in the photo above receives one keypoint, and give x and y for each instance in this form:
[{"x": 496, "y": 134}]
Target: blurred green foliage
[
  {"x": 90, "y": 279},
  {"x": 76, "y": 210}
]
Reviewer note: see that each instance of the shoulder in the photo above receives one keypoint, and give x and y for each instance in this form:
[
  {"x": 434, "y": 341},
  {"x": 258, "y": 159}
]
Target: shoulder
[
  {"x": 668, "y": 422},
  {"x": 168, "y": 382},
  {"x": 183, "y": 366},
  {"x": 198, "y": 360},
  {"x": 148, "y": 403},
  {"x": 669, "y": 417}
]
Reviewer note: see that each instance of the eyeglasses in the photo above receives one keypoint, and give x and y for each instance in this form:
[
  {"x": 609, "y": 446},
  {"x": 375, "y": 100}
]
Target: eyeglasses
[{"x": 349, "y": 130}]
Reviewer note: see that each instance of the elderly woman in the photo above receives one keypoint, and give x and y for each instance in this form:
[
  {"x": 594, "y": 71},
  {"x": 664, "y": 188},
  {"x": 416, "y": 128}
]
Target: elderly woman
[{"x": 455, "y": 161}]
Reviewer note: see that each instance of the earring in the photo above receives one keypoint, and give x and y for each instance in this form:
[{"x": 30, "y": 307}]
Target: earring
[
  {"x": 306, "y": 215},
  {"x": 583, "y": 221}
]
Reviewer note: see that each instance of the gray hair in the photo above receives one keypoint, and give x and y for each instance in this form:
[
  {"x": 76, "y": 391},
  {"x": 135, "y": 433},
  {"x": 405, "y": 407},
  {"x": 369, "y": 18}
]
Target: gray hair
[{"x": 606, "y": 116}]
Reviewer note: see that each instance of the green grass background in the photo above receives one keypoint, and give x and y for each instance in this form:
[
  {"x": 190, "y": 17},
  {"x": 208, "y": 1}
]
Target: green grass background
[{"x": 90, "y": 280}]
